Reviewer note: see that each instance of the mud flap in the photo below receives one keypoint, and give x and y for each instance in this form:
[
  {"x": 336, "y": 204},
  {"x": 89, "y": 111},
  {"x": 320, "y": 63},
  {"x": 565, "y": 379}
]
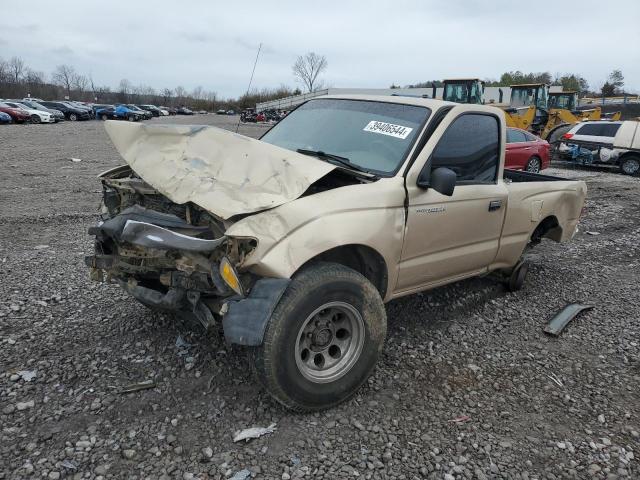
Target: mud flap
[{"x": 246, "y": 320}]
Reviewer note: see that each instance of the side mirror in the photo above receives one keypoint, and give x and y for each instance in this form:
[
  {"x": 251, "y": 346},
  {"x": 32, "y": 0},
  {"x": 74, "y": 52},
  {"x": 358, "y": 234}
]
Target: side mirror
[{"x": 442, "y": 180}]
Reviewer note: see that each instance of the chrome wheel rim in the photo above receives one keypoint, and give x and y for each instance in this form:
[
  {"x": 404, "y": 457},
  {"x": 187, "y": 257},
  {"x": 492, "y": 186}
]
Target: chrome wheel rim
[
  {"x": 329, "y": 343},
  {"x": 631, "y": 166},
  {"x": 533, "y": 165}
]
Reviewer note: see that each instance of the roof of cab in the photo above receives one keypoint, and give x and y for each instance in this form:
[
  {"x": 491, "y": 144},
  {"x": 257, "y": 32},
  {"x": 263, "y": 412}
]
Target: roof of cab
[{"x": 399, "y": 99}]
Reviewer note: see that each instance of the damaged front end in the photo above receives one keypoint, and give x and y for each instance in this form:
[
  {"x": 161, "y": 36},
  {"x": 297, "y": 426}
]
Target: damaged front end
[{"x": 177, "y": 258}]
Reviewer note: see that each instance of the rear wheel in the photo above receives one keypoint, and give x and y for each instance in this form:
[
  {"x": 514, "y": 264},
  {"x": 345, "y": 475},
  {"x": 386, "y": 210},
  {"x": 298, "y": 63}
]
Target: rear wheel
[
  {"x": 630, "y": 165},
  {"x": 533, "y": 165},
  {"x": 323, "y": 338},
  {"x": 35, "y": 118},
  {"x": 131, "y": 118},
  {"x": 104, "y": 117},
  {"x": 518, "y": 276}
]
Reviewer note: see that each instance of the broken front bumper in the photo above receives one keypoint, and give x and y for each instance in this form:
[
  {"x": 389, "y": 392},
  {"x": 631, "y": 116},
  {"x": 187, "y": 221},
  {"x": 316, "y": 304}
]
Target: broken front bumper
[{"x": 165, "y": 263}]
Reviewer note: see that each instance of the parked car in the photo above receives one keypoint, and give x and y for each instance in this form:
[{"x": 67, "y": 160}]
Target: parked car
[
  {"x": 106, "y": 112},
  {"x": 155, "y": 111},
  {"x": 145, "y": 113},
  {"x": 57, "y": 114},
  {"x": 184, "y": 111},
  {"x": 169, "y": 110},
  {"x": 70, "y": 112},
  {"x": 525, "y": 151},
  {"x": 81, "y": 106},
  {"x": 415, "y": 188},
  {"x": 248, "y": 115},
  {"x": 125, "y": 113},
  {"x": 5, "y": 118},
  {"x": 221, "y": 111},
  {"x": 18, "y": 115},
  {"x": 598, "y": 132},
  {"x": 163, "y": 111},
  {"x": 36, "y": 116},
  {"x": 231, "y": 112}
]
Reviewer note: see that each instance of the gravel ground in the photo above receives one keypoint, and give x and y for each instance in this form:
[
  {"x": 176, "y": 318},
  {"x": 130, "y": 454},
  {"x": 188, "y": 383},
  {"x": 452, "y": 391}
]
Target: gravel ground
[{"x": 468, "y": 385}]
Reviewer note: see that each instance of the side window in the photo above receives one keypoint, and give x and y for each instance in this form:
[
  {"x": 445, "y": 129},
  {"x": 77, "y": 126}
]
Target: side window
[
  {"x": 609, "y": 129},
  {"x": 471, "y": 148},
  {"x": 530, "y": 137},
  {"x": 515, "y": 136},
  {"x": 593, "y": 129}
]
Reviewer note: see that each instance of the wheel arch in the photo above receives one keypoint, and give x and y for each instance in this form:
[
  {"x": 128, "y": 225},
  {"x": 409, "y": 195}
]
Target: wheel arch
[
  {"x": 549, "y": 227},
  {"x": 361, "y": 258}
]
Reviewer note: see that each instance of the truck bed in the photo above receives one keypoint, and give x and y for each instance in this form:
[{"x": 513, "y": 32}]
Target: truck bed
[{"x": 520, "y": 176}]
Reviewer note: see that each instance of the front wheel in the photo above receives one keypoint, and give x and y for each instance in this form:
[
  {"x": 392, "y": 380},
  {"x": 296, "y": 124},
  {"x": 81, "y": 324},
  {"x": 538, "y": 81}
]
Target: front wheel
[
  {"x": 104, "y": 117},
  {"x": 35, "y": 119},
  {"x": 323, "y": 338},
  {"x": 630, "y": 165},
  {"x": 533, "y": 165},
  {"x": 73, "y": 117}
]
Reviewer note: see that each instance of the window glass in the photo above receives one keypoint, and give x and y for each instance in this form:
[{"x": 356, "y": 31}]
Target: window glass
[
  {"x": 599, "y": 129},
  {"x": 515, "y": 136},
  {"x": 375, "y": 136},
  {"x": 530, "y": 137},
  {"x": 471, "y": 148}
]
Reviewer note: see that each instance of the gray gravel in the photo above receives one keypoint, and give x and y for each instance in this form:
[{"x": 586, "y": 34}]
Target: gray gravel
[{"x": 468, "y": 386}]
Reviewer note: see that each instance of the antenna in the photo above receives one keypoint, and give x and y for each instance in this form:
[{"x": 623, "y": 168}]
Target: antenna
[{"x": 251, "y": 79}]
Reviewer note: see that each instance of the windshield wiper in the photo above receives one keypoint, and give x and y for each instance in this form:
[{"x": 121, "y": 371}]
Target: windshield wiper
[{"x": 329, "y": 156}]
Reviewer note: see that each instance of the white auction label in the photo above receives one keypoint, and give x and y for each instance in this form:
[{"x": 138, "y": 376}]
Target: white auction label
[{"x": 390, "y": 129}]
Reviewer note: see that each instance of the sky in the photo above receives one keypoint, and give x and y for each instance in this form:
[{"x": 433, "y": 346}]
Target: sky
[{"x": 166, "y": 43}]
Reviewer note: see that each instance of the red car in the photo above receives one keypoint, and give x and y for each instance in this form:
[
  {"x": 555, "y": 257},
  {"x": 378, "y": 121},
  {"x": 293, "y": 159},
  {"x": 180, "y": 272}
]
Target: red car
[
  {"x": 18, "y": 115},
  {"x": 525, "y": 151}
]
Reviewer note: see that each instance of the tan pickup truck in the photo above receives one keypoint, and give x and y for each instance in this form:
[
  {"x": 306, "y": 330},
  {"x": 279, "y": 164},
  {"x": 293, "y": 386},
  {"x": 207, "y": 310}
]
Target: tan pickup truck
[{"x": 295, "y": 241}]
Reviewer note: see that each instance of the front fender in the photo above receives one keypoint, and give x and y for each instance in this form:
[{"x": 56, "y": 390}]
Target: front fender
[{"x": 292, "y": 234}]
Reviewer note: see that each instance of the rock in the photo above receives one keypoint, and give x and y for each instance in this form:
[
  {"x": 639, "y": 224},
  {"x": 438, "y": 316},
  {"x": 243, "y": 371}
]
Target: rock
[
  {"x": 25, "y": 405},
  {"x": 128, "y": 454},
  {"x": 54, "y": 475}
]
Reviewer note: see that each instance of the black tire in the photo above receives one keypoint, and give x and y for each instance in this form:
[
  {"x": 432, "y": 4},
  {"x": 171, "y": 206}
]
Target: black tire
[
  {"x": 73, "y": 117},
  {"x": 275, "y": 363},
  {"x": 630, "y": 164},
  {"x": 518, "y": 277},
  {"x": 534, "y": 165},
  {"x": 104, "y": 117},
  {"x": 35, "y": 118},
  {"x": 132, "y": 118}
]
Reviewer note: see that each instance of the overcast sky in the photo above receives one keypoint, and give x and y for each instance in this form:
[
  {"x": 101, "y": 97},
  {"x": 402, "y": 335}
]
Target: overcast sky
[{"x": 165, "y": 43}]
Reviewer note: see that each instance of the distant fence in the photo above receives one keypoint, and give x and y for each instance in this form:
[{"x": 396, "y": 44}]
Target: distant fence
[{"x": 610, "y": 100}]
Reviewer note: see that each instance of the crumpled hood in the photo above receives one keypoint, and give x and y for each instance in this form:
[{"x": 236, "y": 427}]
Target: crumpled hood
[{"x": 223, "y": 172}]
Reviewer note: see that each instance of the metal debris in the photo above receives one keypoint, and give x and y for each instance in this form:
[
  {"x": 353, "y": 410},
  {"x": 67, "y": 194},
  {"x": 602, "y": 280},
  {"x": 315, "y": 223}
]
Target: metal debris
[
  {"x": 135, "y": 387},
  {"x": 563, "y": 317},
  {"x": 27, "y": 375},
  {"x": 255, "y": 432},
  {"x": 241, "y": 475}
]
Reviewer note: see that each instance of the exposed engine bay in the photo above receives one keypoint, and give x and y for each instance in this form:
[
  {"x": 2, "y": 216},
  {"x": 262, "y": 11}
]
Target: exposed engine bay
[{"x": 166, "y": 255}]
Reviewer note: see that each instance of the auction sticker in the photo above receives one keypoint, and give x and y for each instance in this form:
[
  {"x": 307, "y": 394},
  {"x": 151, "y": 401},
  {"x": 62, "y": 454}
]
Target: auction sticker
[{"x": 390, "y": 129}]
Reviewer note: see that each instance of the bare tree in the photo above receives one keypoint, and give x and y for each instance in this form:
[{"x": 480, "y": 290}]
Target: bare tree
[
  {"x": 124, "y": 89},
  {"x": 64, "y": 76},
  {"x": 80, "y": 83},
  {"x": 16, "y": 67},
  {"x": 167, "y": 93},
  {"x": 180, "y": 93},
  {"x": 307, "y": 69}
]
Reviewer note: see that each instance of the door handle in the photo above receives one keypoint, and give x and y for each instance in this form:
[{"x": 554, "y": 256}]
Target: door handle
[{"x": 495, "y": 205}]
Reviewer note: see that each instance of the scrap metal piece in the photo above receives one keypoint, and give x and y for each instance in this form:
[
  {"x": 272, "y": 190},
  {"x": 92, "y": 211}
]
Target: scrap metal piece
[
  {"x": 136, "y": 387},
  {"x": 563, "y": 317},
  {"x": 152, "y": 236},
  {"x": 255, "y": 432}
]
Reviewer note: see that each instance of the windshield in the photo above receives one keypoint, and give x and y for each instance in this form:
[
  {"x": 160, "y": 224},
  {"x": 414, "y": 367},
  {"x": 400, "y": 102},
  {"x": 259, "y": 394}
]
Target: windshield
[
  {"x": 562, "y": 101},
  {"x": 375, "y": 136},
  {"x": 470, "y": 92}
]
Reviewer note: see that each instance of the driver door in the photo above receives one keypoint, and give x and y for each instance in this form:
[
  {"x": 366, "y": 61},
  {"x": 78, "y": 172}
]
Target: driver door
[{"x": 448, "y": 238}]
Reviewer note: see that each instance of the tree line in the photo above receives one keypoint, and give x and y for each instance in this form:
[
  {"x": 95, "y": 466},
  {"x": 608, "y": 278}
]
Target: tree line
[
  {"x": 569, "y": 81},
  {"x": 18, "y": 80}
]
